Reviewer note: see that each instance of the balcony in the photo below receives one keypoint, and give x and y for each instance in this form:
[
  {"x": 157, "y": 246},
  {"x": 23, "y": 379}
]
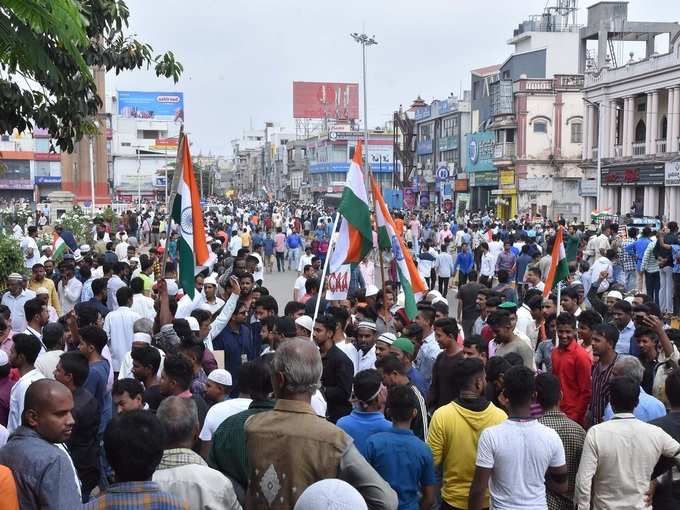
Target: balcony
[
  {"x": 639, "y": 149},
  {"x": 504, "y": 150},
  {"x": 618, "y": 151},
  {"x": 660, "y": 146}
]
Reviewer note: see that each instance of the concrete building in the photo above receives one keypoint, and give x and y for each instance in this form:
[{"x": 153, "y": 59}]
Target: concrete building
[
  {"x": 632, "y": 115},
  {"x": 29, "y": 169},
  {"x": 298, "y": 171},
  {"x": 440, "y": 128},
  {"x": 523, "y": 153},
  {"x": 145, "y": 135}
]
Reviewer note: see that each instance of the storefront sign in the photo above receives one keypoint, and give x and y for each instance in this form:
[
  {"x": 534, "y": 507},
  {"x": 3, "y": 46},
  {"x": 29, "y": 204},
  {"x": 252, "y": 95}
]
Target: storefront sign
[
  {"x": 672, "y": 173},
  {"x": 478, "y": 179},
  {"x": 634, "y": 175},
  {"x": 480, "y": 147},
  {"x": 507, "y": 179},
  {"x": 588, "y": 188},
  {"x": 535, "y": 184},
  {"x": 461, "y": 185},
  {"x": 48, "y": 179}
]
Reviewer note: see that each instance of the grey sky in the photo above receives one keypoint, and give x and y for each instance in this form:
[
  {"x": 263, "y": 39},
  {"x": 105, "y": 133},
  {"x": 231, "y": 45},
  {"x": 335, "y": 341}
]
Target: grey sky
[{"x": 241, "y": 56}]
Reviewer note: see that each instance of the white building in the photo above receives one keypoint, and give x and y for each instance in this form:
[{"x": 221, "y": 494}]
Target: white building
[
  {"x": 145, "y": 131},
  {"x": 632, "y": 115}
]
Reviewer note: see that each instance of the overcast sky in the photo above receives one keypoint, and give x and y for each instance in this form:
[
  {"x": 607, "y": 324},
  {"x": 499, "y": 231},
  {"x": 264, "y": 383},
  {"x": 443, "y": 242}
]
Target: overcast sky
[{"x": 240, "y": 57}]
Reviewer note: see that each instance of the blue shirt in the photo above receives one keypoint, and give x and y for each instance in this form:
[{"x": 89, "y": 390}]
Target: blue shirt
[
  {"x": 648, "y": 408},
  {"x": 676, "y": 254},
  {"x": 418, "y": 380},
  {"x": 465, "y": 262},
  {"x": 268, "y": 247},
  {"x": 522, "y": 262},
  {"x": 293, "y": 241},
  {"x": 96, "y": 382},
  {"x": 626, "y": 344},
  {"x": 359, "y": 425},
  {"x": 404, "y": 461},
  {"x": 638, "y": 248},
  {"x": 236, "y": 345}
]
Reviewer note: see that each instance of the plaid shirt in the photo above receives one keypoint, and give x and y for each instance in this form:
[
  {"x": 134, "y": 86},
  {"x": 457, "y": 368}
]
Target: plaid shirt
[
  {"x": 137, "y": 495},
  {"x": 572, "y": 436},
  {"x": 626, "y": 260},
  {"x": 175, "y": 457}
]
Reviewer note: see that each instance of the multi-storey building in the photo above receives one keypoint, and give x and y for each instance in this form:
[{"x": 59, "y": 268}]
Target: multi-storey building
[{"x": 632, "y": 115}]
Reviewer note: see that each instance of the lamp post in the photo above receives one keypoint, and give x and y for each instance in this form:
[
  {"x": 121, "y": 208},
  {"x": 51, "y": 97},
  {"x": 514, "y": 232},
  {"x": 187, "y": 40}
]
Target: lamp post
[{"x": 365, "y": 41}]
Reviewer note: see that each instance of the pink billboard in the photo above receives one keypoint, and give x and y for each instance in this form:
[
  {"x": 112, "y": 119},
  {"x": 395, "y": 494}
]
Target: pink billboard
[{"x": 319, "y": 100}]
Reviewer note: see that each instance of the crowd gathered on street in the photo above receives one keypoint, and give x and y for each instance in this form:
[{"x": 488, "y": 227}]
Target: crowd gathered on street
[{"x": 123, "y": 388}]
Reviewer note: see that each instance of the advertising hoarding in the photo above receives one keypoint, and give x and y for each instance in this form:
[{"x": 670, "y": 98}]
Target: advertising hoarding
[
  {"x": 151, "y": 105},
  {"x": 672, "y": 173},
  {"x": 479, "y": 154},
  {"x": 322, "y": 100}
]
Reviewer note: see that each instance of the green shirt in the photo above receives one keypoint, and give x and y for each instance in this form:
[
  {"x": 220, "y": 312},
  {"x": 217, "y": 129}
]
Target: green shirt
[
  {"x": 571, "y": 246},
  {"x": 228, "y": 452}
]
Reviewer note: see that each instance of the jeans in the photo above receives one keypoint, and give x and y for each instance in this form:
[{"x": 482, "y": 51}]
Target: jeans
[
  {"x": 631, "y": 281},
  {"x": 676, "y": 293},
  {"x": 666, "y": 290},
  {"x": 443, "y": 285},
  {"x": 652, "y": 282},
  {"x": 294, "y": 259},
  {"x": 280, "y": 265},
  {"x": 462, "y": 278}
]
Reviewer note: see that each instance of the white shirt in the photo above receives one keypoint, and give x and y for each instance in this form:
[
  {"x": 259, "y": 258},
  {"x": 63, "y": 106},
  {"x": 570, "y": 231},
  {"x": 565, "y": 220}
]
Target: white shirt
[
  {"x": 121, "y": 250},
  {"x": 16, "y": 308},
  {"x": 69, "y": 296},
  {"x": 17, "y": 395},
  {"x": 114, "y": 283},
  {"x": 186, "y": 305},
  {"x": 617, "y": 462},
  {"x": 519, "y": 453},
  {"x": 212, "y": 307},
  {"x": 259, "y": 270},
  {"x": 26, "y": 244},
  {"x": 235, "y": 245},
  {"x": 220, "y": 412},
  {"x": 199, "y": 486},
  {"x": 143, "y": 306},
  {"x": 299, "y": 287},
  {"x": 125, "y": 371},
  {"x": 47, "y": 362},
  {"x": 4, "y": 436},
  {"x": 119, "y": 328},
  {"x": 488, "y": 265},
  {"x": 304, "y": 261}
]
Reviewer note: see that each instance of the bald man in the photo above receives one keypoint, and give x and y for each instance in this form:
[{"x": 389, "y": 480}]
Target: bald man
[
  {"x": 45, "y": 476},
  {"x": 291, "y": 445}
]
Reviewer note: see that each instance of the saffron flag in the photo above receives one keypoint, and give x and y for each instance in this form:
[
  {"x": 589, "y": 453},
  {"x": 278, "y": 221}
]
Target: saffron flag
[
  {"x": 355, "y": 238},
  {"x": 58, "y": 246},
  {"x": 192, "y": 246},
  {"x": 407, "y": 272},
  {"x": 559, "y": 267}
]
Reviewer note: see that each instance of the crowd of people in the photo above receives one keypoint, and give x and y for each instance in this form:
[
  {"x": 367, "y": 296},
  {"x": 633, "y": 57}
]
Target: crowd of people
[{"x": 119, "y": 388}]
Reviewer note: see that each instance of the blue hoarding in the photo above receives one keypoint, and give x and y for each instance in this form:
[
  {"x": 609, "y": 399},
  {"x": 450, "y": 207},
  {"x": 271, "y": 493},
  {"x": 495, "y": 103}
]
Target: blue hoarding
[
  {"x": 479, "y": 151},
  {"x": 321, "y": 168},
  {"x": 151, "y": 105}
]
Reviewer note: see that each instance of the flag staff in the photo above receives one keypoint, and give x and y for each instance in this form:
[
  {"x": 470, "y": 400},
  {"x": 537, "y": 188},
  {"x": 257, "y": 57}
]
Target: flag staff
[
  {"x": 331, "y": 245},
  {"x": 173, "y": 194}
]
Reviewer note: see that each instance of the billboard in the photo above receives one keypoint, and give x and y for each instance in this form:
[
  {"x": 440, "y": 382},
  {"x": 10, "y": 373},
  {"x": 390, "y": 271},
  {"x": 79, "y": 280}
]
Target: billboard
[
  {"x": 480, "y": 147},
  {"x": 320, "y": 100},
  {"x": 151, "y": 105}
]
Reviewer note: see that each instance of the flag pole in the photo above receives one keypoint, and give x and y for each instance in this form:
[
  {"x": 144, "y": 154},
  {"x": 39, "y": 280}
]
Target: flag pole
[
  {"x": 173, "y": 194},
  {"x": 380, "y": 254},
  {"x": 329, "y": 253}
]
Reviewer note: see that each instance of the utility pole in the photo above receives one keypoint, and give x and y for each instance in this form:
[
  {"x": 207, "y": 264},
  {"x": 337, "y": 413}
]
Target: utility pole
[{"x": 365, "y": 40}]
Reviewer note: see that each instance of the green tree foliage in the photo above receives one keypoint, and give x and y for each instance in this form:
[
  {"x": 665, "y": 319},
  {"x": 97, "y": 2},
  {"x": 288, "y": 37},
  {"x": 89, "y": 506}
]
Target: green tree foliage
[
  {"x": 47, "y": 48},
  {"x": 11, "y": 259}
]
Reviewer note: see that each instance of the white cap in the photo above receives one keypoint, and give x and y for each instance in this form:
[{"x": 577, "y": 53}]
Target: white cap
[
  {"x": 85, "y": 248},
  {"x": 330, "y": 494},
  {"x": 193, "y": 323},
  {"x": 439, "y": 299},
  {"x": 15, "y": 276},
  {"x": 614, "y": 294},
  {"x": 367, "y": 325},
  {"x": 220, "y": 376},
  {"x": 141, "y": 337},
  {"x": 4, "y": 359},
  {"x": 371, "y": 290},
  {"x": 172, "y": 287},
  {"x": 387, "y": 338},
  {"x": 210, "y": 280},
  {"x": 305, "y": 321}
]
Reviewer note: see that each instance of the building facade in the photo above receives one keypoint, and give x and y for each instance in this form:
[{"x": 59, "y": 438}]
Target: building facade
[{"x": 632, "y": 116}]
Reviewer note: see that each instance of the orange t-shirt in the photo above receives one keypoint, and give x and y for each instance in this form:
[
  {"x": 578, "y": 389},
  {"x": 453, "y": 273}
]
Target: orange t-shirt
[{"x": 8, "y": 489}]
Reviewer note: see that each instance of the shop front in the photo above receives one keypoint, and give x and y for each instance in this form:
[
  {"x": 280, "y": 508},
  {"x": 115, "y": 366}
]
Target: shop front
[
  {"x": 505, "y": 197},
  {"x": 482, "y": 184},
  {"x": 482, "y": 173},
  {"x": 635, "y": 189}
]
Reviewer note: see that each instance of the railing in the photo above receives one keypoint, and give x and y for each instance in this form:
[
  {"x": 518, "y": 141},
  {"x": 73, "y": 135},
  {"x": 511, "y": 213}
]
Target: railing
[
  {"x": 594, "y": 152},
  {"x": 618, "y": 151},
  {"x": 660, "y": 146},
  {"x": 504, "y": 150},
  {"x": 639, "y": 149}
]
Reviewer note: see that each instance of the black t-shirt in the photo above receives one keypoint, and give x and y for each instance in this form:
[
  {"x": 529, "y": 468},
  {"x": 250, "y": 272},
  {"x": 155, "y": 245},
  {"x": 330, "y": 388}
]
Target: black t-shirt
[
  {"x": 443, "y": 388},
  {"x": 153, "y": 397},
  {"x": 667, "y": 495},
  {"x": 468, "y": 296}
]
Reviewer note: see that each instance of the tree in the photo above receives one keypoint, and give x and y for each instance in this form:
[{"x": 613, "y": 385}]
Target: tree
[{"x": 47, "y": 51}]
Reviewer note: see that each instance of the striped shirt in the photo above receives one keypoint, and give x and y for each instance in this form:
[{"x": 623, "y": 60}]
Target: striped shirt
[{"x": 600, "y": 395}]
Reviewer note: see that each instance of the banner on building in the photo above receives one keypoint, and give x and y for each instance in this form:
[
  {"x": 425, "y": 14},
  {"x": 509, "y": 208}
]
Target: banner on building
[
  {"x": 672, "y": 173},
  {"x": 151, "y": 105}
]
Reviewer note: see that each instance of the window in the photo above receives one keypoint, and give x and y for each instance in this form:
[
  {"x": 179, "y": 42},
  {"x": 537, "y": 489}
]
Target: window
[
  {"x": 125, "y": 144},
  {"x": 540, "y": 127},
  {"x": 576, "y": 132},
  {"x": 449, "y": 126},
  {"x": 506, "y": 75},
  {"x": 475, "y": 90}
]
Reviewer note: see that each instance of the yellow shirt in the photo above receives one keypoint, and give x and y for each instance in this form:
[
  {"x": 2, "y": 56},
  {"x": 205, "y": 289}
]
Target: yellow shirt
[
  {"x": 245, "y": 239},
  {"x": 453, "y": 436},
  {"x": 51, "y": 290}
]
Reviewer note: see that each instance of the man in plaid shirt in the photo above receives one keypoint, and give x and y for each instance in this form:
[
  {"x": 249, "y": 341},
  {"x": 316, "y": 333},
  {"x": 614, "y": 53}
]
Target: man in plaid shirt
[
  {"x": 626, "y": 259},
  {"x": 570, "y": 432}
]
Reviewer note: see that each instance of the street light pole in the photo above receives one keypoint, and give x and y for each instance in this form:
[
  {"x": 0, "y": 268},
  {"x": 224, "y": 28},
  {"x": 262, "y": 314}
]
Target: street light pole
[{"x": 365, "y": 40}]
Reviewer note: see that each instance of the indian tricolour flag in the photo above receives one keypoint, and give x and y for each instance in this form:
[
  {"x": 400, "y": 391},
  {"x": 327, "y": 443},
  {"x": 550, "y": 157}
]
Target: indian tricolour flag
[
  {"x": 559, "y": 267},
  {"x": 407, "y": 272},
  {"x": 192, "y": 246},
  {"x": 58, "y": 246},
  {"x": 355, "y": 238}
]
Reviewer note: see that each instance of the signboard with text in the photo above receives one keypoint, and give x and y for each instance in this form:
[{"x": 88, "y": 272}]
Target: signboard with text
[
  {"x": 672, "y": 173},
  {"x": 480, "y": 147},
  {"x": 653, "y": 174},
  {"x": 338, "y": 284},
  {"x": 324, "y": 100},
  {"x": 151, "y": 105}
]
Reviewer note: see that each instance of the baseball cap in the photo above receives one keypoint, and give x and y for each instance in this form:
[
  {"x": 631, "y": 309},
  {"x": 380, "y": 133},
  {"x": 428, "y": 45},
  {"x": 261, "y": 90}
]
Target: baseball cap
[
  {"x": 404, "y": 345},
  {"x": 305, "y": 321},
  {"x": 220, "y": 376}
]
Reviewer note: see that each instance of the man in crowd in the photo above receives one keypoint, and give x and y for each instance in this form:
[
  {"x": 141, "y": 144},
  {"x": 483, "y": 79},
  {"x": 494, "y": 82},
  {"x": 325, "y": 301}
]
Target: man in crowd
[{"x": 24, "y": 352}]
